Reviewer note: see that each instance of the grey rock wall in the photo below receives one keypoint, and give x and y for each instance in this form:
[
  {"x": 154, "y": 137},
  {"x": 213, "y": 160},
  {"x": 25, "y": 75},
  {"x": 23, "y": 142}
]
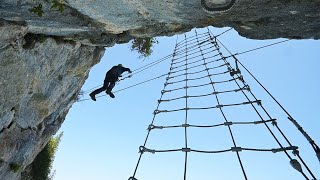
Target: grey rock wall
[
  {"x": 105, "y": 22},
  {"x": 44, "y": 61},
  {"x": 39, "y": 83}
]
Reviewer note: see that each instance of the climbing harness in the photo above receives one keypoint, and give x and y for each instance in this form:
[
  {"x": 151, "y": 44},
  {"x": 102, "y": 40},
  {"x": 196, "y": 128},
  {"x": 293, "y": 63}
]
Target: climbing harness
[{"x": 217, "y": 8}]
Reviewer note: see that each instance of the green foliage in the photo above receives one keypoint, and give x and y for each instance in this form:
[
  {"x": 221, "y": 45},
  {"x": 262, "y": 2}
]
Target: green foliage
[
  {"x": 55, "y": 4},
  {"x": 37, "y": 10},
  {"x": 42, "y": 164},
  {"x": 14, "y": 167},
  {"x": 143, "y": 46}
]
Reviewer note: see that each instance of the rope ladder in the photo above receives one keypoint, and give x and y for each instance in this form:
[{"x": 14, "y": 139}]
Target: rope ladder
[{"x": 198, "y": 63}]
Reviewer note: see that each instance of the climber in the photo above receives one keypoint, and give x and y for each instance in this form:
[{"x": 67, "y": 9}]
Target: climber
[{"x": 110, "y": 80}]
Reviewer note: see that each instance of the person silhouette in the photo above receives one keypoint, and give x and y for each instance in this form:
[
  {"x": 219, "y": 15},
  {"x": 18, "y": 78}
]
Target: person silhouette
[{"x": 110, "y": 80}]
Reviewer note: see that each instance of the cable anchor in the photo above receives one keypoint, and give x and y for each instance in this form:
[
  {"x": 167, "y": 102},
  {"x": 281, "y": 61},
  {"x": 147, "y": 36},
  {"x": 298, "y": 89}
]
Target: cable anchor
[
  {"x": 235, "y": 71},
  {"x": 296, "y": 165}
]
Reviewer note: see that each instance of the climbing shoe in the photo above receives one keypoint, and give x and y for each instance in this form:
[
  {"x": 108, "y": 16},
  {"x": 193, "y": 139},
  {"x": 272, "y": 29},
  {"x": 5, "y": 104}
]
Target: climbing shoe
[
  {"x": 92, "y": 96},
  {"x": 111, "y": 94}
]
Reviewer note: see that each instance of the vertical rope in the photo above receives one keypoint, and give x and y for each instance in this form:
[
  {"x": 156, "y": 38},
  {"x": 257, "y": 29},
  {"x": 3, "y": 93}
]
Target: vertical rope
[
  {"x": 262, "y": 119},
  {"x": 154, "y": 115},
  {"x": 222, "y": 112},
  {"x": 281, "y": 132},
  {"x": 278, "y": 128},
  {"x": 186, "y": 114},
  {"x": 305, "y": 134},
  {"x": 309, "y": 139}
]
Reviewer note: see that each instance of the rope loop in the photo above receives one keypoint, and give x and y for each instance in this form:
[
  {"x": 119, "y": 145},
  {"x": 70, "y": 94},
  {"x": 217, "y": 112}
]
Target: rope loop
[
  {"x": 143, "y": 149},
  {"x": 156, "y": 112},
  {"x": 150, "y": 127}
]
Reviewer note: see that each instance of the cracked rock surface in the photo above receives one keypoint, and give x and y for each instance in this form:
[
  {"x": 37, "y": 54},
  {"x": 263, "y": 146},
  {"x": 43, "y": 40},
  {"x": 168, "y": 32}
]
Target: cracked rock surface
[{"x": 38, "y": 86}]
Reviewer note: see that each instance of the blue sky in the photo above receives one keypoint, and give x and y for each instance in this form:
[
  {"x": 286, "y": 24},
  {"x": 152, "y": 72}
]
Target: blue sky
[{"x": 101, "y": 139}]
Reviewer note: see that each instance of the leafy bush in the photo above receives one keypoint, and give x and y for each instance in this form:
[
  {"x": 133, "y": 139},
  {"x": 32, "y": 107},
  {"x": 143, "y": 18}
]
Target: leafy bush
[
  {"x": 143, "y": 46},
  {"x": 14, "y": 167},
  {"x": 55, "y": 4},
  {"x": 41, "y": 167},
  {"x": 37, "y": 10}
]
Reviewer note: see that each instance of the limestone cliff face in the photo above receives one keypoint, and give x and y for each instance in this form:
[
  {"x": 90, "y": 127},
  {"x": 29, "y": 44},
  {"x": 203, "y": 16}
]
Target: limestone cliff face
[
  {"x": 44, "y": 61},
  {"x": 39, "y": 82},
  {"x": 104, "y": 22}
]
